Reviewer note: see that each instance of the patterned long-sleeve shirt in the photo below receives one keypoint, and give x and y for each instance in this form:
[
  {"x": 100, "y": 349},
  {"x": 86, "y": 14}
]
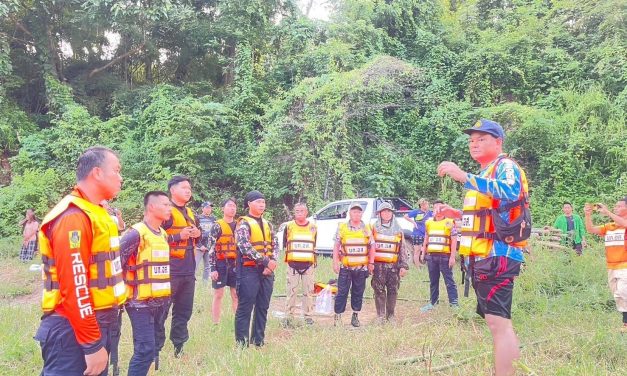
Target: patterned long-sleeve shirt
[
  {"x": 214, "y": 233},
  {"x": 506, "y": 186},
  {"x": 244, "y": 246},
  {"x": 392, "y": 228}
]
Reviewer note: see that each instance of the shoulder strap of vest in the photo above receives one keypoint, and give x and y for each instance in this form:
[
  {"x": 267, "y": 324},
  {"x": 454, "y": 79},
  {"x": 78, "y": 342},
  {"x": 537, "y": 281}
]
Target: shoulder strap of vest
[
  {"x": 522, "y": 201},
  {"x": 140, "y": 227},
  {"x": 58, "y": 209}
]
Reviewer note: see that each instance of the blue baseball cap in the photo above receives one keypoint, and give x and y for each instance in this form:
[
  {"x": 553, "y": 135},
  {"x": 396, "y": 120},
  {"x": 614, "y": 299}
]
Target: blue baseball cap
[{"x": 487, "y": 126}]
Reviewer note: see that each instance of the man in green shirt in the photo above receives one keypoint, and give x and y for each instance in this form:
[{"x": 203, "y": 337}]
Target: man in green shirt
[{"x": 572, "y": 228}]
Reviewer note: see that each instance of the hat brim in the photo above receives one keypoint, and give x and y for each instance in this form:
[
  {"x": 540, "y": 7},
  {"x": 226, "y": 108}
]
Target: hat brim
[{"x": 470, "y": 131}]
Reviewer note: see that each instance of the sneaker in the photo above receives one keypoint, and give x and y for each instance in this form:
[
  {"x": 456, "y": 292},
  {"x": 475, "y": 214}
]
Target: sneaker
[
  {"x": 454, "y": 305},
  {"x": 355, "y": 320},
  {"x": 427, "y": 308},
  {"x": 178, "y": 351},
  {"x": 380, "y": 320},
  {"x": 116, "y": 370},
  {"x": 309, "y": 321},
  {"x": 337, "y": 319}
]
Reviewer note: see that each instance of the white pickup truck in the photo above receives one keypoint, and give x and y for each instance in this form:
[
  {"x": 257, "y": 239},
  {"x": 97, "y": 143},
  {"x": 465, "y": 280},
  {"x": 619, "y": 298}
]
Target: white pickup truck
[{"x": 332, "y": 214}]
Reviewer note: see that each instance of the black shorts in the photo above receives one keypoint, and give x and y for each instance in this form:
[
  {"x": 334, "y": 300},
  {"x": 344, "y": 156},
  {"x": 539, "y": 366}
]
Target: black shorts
[
  {"x": 494, "y": 285},
  {"x": 417, "y": 240},
  {"x": 227, "y": 276}
]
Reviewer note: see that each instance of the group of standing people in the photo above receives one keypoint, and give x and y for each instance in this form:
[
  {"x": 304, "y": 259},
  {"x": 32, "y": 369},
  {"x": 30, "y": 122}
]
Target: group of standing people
[{"x": 90, "y": 273}]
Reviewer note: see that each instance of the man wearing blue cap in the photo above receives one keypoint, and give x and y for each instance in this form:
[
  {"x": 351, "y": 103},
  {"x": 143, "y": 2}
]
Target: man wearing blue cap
[{"x": 495, "y": 224}]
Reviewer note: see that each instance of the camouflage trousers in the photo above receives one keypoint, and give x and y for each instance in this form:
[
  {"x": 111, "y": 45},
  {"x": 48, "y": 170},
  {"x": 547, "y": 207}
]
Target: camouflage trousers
[{"x": 385, "y": 283}]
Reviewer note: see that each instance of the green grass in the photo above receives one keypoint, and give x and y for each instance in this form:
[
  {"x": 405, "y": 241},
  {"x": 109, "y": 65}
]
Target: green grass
[{"x": 563, "y": 313}]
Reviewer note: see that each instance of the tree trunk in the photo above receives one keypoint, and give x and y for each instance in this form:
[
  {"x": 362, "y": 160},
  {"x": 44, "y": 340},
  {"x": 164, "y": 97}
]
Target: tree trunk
[{"x": 148, "y": 67}]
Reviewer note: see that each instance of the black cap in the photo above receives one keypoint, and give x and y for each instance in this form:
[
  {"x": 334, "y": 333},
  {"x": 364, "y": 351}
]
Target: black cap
[
  {"x": 207, "y": 203},
  {"x": 252, "y": 196},
  {"x": 177, "y": 179}
]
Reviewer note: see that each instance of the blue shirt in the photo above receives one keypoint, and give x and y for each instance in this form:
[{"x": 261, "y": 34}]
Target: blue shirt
[
  {"x": 506, "y": 187},
  {"x": 420, "y": 217}
]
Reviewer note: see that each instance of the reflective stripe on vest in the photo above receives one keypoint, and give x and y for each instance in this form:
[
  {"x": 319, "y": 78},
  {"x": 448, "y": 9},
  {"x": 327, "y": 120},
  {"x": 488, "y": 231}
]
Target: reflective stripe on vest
[
  {"x": 477, "y": 228},
  {"x": 386, "y": 247},
  {"x": 261, "y": 241},
  {"x": 104, "y": 269},
  {"x": 615, "y": 252},
  {"x": 439, "y": 235},
  {"x": 301, "y": 242},
  {"x": 179, "y": 222},
  {"x": 148, "y": 272},
  {"x": 225, "y": 244},
  {"x": 355, "y": 245}
]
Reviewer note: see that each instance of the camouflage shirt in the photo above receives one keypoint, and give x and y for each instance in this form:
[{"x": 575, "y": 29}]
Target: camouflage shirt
[
  {"x": 215, "y": 231},
  {"x": 245, "y": 248}
]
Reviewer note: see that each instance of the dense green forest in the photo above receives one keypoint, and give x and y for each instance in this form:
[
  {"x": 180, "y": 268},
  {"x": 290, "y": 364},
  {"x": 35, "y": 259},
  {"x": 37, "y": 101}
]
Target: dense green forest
[{"x": 254, "y": 94}]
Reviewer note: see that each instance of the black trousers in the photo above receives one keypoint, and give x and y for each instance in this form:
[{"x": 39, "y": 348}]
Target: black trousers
[
  {"x": 355, "y": 281},
  {"x": 254, "y": 291},
  {"x": 61, "y": 353},
  {"x": 182, "y": 303}
]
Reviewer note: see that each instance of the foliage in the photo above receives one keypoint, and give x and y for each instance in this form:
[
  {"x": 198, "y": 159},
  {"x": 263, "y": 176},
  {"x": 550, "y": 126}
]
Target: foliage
[{"x": 253, "y": 95}]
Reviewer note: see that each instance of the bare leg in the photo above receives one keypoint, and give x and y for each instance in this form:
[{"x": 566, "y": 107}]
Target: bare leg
[
  {"x": 234, "y": 298},
  {"x": 216, "y": 307},
  {"x": 505, "y": 343}
]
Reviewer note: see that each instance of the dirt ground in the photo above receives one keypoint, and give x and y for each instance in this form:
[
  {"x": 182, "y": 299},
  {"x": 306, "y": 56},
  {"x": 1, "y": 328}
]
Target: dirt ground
[{"x": 405, "y": 310}]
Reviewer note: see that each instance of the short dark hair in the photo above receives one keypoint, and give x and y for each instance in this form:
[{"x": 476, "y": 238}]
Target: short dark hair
[
  {"x": 438, "y": 202},
  {"x": 152, "y": 194},
  {"x": 178, "y": 179},
  {"x": 90, "y": 159},
  {"x": 567, "y": 203},
  {"x": 230, "y": 199}
]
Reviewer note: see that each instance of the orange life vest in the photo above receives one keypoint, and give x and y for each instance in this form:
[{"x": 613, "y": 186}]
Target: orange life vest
[
  {"x": 106, "y": 285},
  {"x": 225, "y": 244},
  {"x": 477, "y": 227},
  {"x": 615, "y": 251},
  {"x": 179, "y": 222}
]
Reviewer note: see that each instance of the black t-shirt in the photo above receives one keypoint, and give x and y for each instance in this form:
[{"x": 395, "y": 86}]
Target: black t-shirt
[{"x": 570, "y": 224}]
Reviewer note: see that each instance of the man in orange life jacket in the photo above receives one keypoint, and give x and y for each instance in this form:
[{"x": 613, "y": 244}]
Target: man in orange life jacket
[
  {"x": 501, "y": 188},
  {"x": 182, "y": 229},
  {"x": 83, "y": 285},
  {"x": 222, "y": 255},
  {"x": 145, "y": 258},
  {"x": 257, "y": 253},
  {"x": 615, "y": 251},
  {"x": 353, "y": 261},
  {"x": 390, "y": 261},
  {"x": 440, "y": 250},
  {"x": 299, "y": 242}
]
